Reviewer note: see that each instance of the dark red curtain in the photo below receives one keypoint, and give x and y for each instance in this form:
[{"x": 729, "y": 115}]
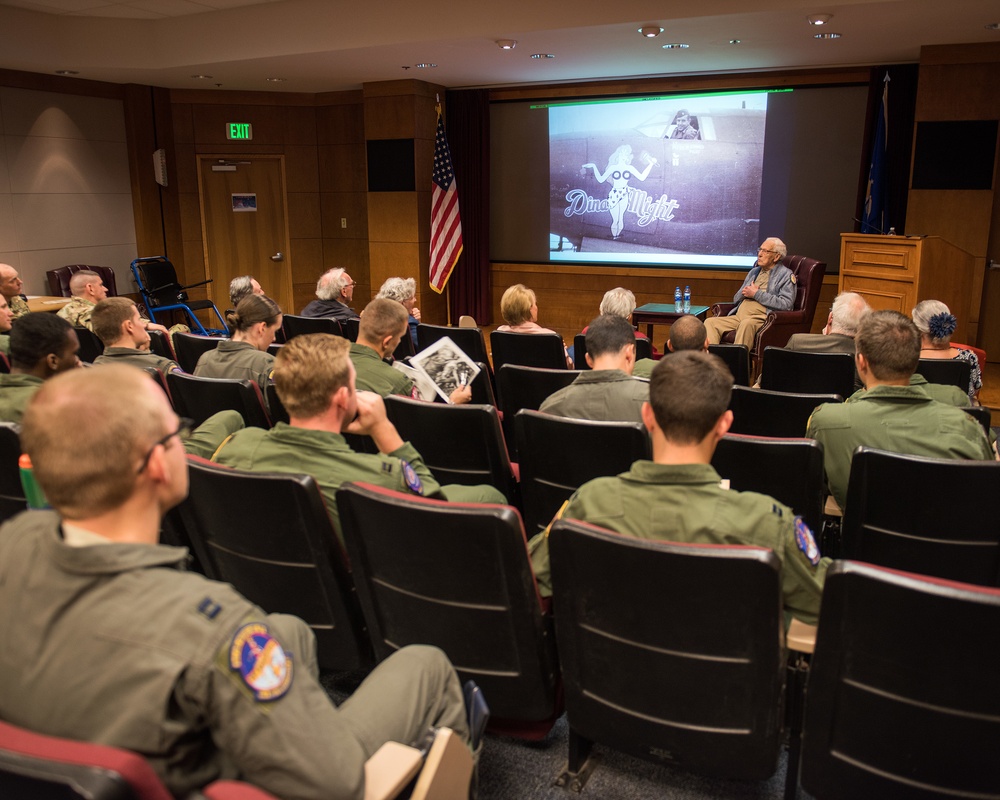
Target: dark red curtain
[{"x": 468, "y": 128}]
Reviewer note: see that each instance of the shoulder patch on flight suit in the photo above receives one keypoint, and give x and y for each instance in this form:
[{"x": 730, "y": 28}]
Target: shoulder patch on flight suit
[
  {"x": 411, "y": 478},
  {"x": 806, "y": 542},
  {"x": 261, "y": 662}
]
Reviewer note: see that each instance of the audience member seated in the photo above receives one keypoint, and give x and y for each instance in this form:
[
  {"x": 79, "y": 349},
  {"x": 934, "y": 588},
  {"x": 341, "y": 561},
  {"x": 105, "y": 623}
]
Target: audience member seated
[
  {"x": 254, "y": 324},
  {"x": 117, "y": 323},
  {"x": 404, "y": 290},
  {"x": 677, "y": 496},
  {"x": 891, "y": 414},
  {"x": 241, "y": 286},
  {"x": 607, "y": 391},
  {"x": 619, "y": 302},
  {"x": 334, "y": 291},
  {"x": 41, "y": 346},
  {"x": 936, "y": 325},
  {"x": 520, "y": 313},
  {"x": 10, "y": 287},
  {"x": 87, "y": 290},
  {"x": 6, "y": 320},
  {"x": 687, "y": 333},
  {"x": 768, "y": 286},
  {"x": 315, "y": 381},
  {"x": 139, "y": 653}
]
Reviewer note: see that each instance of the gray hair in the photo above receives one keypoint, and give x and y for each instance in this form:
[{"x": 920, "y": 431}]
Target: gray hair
[
  {"x": 848, "y": 309},
  {"x": 778, "y": 245},
  {"x": 398, "y": 289},
  {"x": 330, "y": 283},
  {"x": 240, "y": 287},
  {"x": 618, "y": 302},
  {"x": 934, "y": 319}
]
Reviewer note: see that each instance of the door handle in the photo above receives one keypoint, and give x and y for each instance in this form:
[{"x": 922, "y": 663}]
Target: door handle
[{"x": 279, "y": 256}]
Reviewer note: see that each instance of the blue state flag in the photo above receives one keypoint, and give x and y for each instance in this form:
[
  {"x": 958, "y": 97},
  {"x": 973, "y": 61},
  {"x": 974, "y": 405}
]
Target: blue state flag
[{"x": 875, "y": 214}]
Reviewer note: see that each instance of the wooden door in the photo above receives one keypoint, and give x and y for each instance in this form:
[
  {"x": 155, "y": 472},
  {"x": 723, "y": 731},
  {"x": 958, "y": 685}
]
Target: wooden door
[{"x": 244, "y": 224}]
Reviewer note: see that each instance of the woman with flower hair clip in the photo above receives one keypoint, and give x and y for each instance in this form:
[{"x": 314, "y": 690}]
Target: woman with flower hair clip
[{"x": 936, "y": 325}]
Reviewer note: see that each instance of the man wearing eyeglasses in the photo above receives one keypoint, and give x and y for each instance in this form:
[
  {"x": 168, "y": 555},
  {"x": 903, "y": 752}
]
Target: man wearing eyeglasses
[
  {"x": 769, "y": 286},
  {"x": 108, "y": 639},
  {"x": 334, "y": 293}
]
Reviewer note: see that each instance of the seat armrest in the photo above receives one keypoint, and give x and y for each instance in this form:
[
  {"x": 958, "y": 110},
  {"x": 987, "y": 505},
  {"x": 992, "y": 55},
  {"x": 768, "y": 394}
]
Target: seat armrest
[
  {"x": 801, "y": 637},
  {"x": 722, "y": 309},
  {"x": 390, "y": 769}
]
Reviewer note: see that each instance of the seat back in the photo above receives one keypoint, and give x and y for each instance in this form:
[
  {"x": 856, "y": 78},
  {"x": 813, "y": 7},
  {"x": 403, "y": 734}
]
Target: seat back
[
  {"x": 58, "y": 279},
  {"x": 159, "y": 343},
  {"x": 190, "y": 347},
  {"x": 350, "y": 328},
  {"x": 456, "y": 576},
  {"x": 807, "y": 373},
  {"x": 885, "y": 526},
  {"x": 199, "y": 398},
  {"x": 662, "y": 655},
  {"x": 759, "y": 412},
  {"x": 459, "y": 444},
  {"x": 527, "y": 349},
  {"x": 405, "y": 348},
  {"x": 558, "y": 455},
  {"x": 951, "y": 372},
  {"x": 296, "y": 326},
  {"x": 483, "y": 391},
  {"x": 12, "y": 500},
  {"x": 737, "y": 358},
  {"x": 789, "y": 470},
  {"x": 808, "y": 274},
  {"x": 527, "y": 387},
  {"x": 275, "y": 408},
  {"x": 270, "y": 536},
  {"x": 643, "y": 349},
  {"x": 90, "y": 346},
  {"x": 470, "y": 340},
  {"x": 903, "y": 697},
  {"x": 51, "y": 768}
]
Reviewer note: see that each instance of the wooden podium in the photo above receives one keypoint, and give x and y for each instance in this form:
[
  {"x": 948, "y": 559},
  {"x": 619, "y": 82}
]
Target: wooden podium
[{"x": 897, "y": 272}]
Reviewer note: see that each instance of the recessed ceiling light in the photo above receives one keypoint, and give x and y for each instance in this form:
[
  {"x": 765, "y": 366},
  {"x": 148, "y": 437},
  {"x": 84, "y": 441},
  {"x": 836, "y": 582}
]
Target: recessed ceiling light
[
  {"x": 650, "y": 31},
  {"x": 67, "y": 72},
  {"x": 202, "y": 77},
  {"x": 275, "y": 80},
  {"x": 506, "y": 44},
  {"x": 819, "y": 19},
  {"x": 542, "y": 55},
  {"x": 425, "y": 65},
  {"x": 676, "y": 46},
  {"x": 830, "y": 35},
  {"x": 735, "y": 41}
]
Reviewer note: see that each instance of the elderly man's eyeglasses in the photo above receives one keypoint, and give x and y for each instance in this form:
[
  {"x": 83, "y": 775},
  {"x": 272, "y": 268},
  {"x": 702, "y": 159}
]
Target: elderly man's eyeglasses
[
  {"x": 765, "y": 250},
  {"x": 183, "y": 431},
  {"x": 352, "y": 283}
]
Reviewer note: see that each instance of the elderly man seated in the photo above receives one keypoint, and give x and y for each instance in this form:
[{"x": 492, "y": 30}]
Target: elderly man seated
[{"x": 334, "y": 292}]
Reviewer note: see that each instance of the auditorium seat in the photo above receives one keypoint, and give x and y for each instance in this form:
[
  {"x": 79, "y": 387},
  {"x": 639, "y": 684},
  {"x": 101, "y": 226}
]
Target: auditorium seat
[
  {"x": 737, "y": 358},
  {"x": 199, "y": 398},
  {"x": 293, "y": 326},
  {"x": 90, "y": 346},
  {"x": 544, "y": 350},
  {"x": 903, "y": 699},
  {"x": 456, "y": 576},
  {"x": 663, "y": 657},
  {"x": 12, "y": 500},
  {"x": 159, "y": 343},
  {"x": 950, "y": 372},
  {"x": 807, "y": 373},
  {"x": 189, "y": 347},
  {"x": 758, "y": 412},
  {"x": 527, "y": 387}
]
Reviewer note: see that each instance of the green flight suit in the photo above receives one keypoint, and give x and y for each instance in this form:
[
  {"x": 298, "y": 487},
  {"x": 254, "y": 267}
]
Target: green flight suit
[
  {"x": 137, "y": 358},
  {"x": 4, "y": 344},
  {"x": 237, "y": 361},
  {"x": 206, "y": 438},
  {"x": 15, "y": 392},
  {"x": 331, "y": 462},
  {"x": 685, "y": 503},
  {"x": 374, "y": 375},
  {"x": 601, "y": 394},
  {"x": 901, "y": 419},
  {"x": 116, "y": 644}
]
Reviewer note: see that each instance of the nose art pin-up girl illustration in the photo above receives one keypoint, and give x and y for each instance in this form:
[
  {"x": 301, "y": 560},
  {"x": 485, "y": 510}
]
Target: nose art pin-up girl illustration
[{"x": 620, "y": 171}]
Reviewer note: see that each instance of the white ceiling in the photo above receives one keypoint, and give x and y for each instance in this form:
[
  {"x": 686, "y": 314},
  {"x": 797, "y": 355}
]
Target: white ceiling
[{"x": 332, "y": 45}]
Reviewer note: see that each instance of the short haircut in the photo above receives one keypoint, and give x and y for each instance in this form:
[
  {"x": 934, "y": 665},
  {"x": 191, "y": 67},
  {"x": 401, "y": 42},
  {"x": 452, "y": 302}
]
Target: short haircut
[
  {"x": 848, "y": 309},
  {"x": 891, "y": 344},
  {"x": 108, "y": 316},
  {"x": 516, "y": 303},
  {"x": 240, "y": 287},
  {"x": 78, "y": 281},
  {"x": 308, "y": 370},
  {"x": 398, "y": 289},
  {"x": 618, "y": 302},
  {"x": 89, "y": 469},
  {"x": 935, "y": 320},
  {"x": 252, "y": 309},
  {"x": 35, "y": 336},
  {"x": 382, "y": 318},
  {"x": 330, "y": 283},
  {"x": 688, "y": 392},
  {"x": 608, "y": 335},
  {"x": 688, "y": 333}
]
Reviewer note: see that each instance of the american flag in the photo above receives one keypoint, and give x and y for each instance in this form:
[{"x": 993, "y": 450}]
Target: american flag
[{"x": 446, "y": 224}]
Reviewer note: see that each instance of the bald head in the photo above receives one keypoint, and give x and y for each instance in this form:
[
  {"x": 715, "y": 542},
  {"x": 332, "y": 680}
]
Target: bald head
[
  {"x": 92, "y": 468},
  {"x": 10, "y": 281},
  {"x": 88, "y": 285},
  {"x": 688, "y": 333}
]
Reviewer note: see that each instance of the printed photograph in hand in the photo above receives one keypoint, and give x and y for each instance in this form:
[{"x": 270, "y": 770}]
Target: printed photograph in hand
[{"x": 447, "y": 365}]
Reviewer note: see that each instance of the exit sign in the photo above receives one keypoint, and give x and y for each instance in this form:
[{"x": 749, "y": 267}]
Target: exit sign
[{"x": 239, "y": 130}]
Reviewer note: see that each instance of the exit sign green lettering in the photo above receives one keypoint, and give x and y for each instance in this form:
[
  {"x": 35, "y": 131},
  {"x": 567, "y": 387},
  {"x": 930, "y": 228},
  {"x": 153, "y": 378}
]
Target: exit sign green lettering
[{"x": 239, "y": 130}]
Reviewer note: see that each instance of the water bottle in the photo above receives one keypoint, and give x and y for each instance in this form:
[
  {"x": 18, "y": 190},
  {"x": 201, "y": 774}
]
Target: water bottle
[
  {"x": 678, "y": 303},
  {"x": 687, "y": 299},
  {"x": 32, "y": 491}
]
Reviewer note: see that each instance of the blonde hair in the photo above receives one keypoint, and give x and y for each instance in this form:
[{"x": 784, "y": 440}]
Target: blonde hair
[
  {"x": 516, "y": 303},
  {"x": 109, "y": 315},
  {"x": 308, "y": 370}
]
